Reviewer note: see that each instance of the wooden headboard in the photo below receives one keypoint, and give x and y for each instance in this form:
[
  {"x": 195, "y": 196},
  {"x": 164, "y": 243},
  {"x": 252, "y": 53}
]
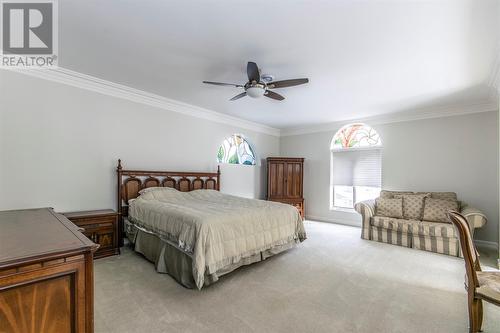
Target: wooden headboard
[{"x": 130, "y": 182}]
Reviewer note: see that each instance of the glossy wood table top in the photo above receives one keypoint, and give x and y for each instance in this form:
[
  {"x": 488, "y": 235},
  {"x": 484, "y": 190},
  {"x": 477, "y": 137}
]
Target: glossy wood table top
[{"x": 27, "y": 235}]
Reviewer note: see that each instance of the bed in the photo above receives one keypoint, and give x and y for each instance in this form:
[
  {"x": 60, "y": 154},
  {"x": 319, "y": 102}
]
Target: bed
[{"x": 189, "y": 230}]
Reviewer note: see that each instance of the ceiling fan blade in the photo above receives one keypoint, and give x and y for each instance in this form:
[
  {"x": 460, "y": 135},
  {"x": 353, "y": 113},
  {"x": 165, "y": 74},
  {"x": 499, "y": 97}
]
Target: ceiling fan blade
[
  {"x": 287, "y": 83},
  {"x": 243, "y": 94},
  {"x": 273, "y": 95},
  {"x": 224, "y": 84},
  {"x": 253, "y": 72}
]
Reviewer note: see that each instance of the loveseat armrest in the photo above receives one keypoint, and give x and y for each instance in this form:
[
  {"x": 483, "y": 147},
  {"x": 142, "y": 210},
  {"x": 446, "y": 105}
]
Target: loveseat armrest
[
  {"x": 474, "y": 216},
  {"x": 367, "y": 210}
]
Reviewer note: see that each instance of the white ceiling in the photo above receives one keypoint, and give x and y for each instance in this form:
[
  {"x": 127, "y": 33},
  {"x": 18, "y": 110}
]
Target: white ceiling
[{"x": 363, "y": 58}]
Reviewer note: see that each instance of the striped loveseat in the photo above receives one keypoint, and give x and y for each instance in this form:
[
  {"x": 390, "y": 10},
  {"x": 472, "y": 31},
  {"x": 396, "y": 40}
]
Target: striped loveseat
[{"x": 420, "y": 234}]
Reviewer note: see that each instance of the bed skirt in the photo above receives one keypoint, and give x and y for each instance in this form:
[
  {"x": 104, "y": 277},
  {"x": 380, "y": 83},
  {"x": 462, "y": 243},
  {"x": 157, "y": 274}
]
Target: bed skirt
[{"x": 171, "y": 260}]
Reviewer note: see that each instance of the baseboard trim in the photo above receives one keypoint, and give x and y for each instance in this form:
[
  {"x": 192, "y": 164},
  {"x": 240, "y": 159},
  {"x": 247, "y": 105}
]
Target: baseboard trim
[
  {"x": 478, "y": 242},
  {"x": 336, "y": 221},
  {"x": 486, "y": 244}
]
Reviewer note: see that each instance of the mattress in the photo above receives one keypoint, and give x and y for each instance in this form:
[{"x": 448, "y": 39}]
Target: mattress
[{"x": 216, "y": 231}]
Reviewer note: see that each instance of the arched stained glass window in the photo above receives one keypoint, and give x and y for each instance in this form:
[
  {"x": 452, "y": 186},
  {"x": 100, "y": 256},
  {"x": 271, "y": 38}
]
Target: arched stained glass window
[
  {"x": 236, "y": 150},
  {"x": 356, "y": 136}
]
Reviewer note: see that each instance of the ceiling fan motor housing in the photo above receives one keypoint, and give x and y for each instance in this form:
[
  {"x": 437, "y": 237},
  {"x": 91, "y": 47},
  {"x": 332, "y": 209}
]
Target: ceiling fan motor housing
[{"x": 267, "y": 78}]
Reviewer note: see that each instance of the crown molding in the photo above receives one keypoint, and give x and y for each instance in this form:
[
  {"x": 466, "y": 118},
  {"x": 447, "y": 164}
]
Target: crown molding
[
  {"x": 418, "y": 114},
  {"x": 83, "y": 81},
  {"x": 87, "y": 82}
]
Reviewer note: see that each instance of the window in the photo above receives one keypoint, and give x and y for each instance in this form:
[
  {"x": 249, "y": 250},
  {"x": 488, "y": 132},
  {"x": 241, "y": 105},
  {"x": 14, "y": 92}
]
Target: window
[
  {"x": 356, "y": 136},
  {"x": 356, "y": 165},
  {"x": 236, "y": 150}
]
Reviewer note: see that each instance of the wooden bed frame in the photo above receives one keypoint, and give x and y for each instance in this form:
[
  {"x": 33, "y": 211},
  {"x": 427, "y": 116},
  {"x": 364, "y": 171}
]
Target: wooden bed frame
[{"x": 130, "y": 182}]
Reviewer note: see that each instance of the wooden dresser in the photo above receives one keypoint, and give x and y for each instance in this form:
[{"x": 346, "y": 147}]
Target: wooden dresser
[
  {"x": 46, "y": 274},
  {"x": 285, "y": 181},
  {"x": 101, "y": 227}
]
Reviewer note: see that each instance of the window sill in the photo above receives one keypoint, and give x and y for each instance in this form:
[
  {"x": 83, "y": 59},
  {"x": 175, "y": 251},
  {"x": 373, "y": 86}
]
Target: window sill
[{"x": 342, "y": 209}]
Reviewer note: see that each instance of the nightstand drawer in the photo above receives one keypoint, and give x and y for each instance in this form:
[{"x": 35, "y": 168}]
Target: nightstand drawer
[
  {"x": 99, "y": 220},
  {"x": 103, "y": 237},
  {"x": 101, "y": 227},
  {"x": 94, "y": 225}
]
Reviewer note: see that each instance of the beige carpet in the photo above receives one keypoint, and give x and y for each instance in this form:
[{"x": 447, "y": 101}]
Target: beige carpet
[{"x": 333, "y": 282}]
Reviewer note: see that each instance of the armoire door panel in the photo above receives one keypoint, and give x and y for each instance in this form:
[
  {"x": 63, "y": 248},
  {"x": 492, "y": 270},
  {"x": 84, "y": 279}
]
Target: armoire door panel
[
  {"x": 289, "y": 179},
  {"x": 280, "y": 188},
  {"x": 298, "y": 179},
  {"x": 294, "y": 180},
  {"x": 277, "y": 187},
  {"x": 284, "y": 181},
  {"x": 271, "y": 178}
]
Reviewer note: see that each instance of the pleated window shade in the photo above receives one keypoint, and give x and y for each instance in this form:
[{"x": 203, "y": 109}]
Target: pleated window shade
[{"x": 357, "y": 169}]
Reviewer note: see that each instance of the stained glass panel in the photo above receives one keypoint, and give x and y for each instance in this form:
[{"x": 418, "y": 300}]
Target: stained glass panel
[
  {"x": 236, "y": 150},
  {"x": 356, "y": 136}
]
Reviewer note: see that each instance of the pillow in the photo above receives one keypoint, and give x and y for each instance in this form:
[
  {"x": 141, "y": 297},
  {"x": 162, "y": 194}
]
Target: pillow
[
  {"x": 389, "y": 207},
  {"x": 413, "y": 205},
  {"x": 156, "y": 189},
  {"x": 436, "y": 209},
  {"x": 450, "y": 196},
  {"x": 384, "y": 194}
]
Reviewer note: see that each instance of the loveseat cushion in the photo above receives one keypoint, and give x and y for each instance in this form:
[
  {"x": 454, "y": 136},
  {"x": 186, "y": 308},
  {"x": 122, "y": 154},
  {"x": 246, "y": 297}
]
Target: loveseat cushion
[
  {"x": 389, "y": 223},
  {"x": 389, "y": 236},
  {"x": 413, "y": 205},
  {"x": 389, "y": 207},
  {"x": 436, "y": 209},
  {"x": 422, "y": 228},
  {"x": 443, "y": 245},
  {"x": 436, "y": 229}
]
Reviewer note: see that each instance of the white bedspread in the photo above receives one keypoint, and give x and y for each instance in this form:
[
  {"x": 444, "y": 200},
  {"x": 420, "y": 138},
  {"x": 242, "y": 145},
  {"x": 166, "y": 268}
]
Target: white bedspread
[{"x": 215, "y": 229}]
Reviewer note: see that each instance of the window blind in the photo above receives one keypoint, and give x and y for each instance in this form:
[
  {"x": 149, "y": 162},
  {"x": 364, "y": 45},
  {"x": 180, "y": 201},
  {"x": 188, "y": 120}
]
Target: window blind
[{"x": 357, "y": 168}]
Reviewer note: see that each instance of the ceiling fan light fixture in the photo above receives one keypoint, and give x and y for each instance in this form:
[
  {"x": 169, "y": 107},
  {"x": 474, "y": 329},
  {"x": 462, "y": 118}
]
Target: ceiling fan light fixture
[{"x": 255, "y": 92}]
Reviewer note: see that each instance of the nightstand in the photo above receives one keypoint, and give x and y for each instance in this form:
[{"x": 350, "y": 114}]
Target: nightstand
[{"x": 101, "y": 227}]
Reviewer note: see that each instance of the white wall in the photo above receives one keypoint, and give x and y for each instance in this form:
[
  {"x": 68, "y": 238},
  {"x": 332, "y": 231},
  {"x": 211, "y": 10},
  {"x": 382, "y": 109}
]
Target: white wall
[
  {"x": 59, "y": 145},
  {"x": 457, "y": 154}
]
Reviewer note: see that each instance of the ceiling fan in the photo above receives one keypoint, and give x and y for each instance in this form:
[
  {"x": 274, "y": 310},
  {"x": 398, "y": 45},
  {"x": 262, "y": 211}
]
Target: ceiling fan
[{"x": 258, "y": 86}]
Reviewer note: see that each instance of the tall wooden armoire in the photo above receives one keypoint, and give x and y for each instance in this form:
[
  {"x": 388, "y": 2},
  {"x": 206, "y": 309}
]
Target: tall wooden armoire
[{"x": 285, "y": 181}]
